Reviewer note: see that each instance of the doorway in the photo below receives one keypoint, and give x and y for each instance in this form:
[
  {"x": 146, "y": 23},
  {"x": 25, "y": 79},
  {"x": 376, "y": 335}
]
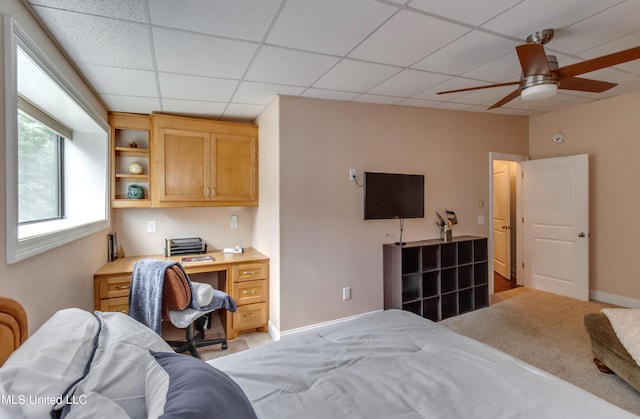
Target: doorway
[{"x": 503, "y": 231}]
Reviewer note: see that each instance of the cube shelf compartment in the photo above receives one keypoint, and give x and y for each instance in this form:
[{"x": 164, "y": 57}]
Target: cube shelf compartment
[{"x": 437, "y": 279}]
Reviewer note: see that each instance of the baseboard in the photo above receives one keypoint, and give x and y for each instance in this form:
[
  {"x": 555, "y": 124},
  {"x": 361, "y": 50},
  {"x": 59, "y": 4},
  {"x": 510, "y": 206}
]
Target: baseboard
[
  {"x": 618, "y": 300},
  {"x": 273, "y": 331}
]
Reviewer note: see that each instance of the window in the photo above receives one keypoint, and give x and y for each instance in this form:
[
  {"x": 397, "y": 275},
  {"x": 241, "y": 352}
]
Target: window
[
  {"x": 40, "y": 163},
  {"x": 56, "y": 154}
]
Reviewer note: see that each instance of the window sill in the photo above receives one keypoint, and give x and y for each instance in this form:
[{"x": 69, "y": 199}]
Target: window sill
[{"x": 43, "y": 241}]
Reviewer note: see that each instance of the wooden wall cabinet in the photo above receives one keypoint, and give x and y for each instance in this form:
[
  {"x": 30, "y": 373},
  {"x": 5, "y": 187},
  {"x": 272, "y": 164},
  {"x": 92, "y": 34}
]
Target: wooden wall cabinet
[
  {"x": 203, "y": 163},
  {"x": 129, "y": 130},
  {"x": 437, "y": 279}
]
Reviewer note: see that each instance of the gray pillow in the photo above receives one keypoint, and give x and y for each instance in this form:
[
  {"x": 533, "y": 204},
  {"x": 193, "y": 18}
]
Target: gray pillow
[{"x": 198, "y": 390}]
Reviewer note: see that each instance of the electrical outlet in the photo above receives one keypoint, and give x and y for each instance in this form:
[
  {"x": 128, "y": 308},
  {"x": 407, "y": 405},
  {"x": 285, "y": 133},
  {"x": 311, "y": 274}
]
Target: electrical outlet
[
  {"x": 151, "y": 226},
  {"x": 234, "y": 221},
  {"x": 353, "y": 173},
  {"x": 346, "y": 293}
]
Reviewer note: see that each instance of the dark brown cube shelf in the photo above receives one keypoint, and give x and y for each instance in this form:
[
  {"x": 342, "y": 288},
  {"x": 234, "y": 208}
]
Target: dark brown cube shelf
[{"x": 437, "y": 279}]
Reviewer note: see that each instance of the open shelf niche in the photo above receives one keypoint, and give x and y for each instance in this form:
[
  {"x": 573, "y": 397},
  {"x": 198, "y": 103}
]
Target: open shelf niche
[{"x": 437, "y": 279}]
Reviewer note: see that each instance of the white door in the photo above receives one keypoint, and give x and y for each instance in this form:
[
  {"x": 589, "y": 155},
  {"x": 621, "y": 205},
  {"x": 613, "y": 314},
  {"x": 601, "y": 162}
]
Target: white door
[
  {"x": 555, "y": 217},
  {"x": 501, "y": 219}
]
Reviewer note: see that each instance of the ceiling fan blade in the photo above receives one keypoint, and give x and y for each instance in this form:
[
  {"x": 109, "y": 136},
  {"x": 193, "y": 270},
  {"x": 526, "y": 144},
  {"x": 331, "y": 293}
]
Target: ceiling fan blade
[
  {"x": 585, "y": 85},
  {"x": 487, "y": 86},
  {"x": 533, "y": 60},
  {"x": 506, "y": 99},
  {"x": 598, "y": 63}
]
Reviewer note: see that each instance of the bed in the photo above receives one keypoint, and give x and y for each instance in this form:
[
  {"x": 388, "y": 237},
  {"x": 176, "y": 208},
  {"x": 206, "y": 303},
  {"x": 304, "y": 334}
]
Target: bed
[{"x": 387, "y": 364}]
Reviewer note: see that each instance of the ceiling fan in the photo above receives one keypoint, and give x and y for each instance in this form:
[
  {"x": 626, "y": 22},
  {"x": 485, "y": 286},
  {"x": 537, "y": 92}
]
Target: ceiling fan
[{"x": 541, "y": 77}]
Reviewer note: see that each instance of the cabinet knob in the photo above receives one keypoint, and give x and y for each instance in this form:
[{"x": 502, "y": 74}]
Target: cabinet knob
[{"x": 581, "y": 234}]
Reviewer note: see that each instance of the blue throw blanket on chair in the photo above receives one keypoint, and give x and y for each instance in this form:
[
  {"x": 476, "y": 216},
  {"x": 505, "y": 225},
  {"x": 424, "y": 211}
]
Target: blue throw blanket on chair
[{"x": 145, "y": 295}]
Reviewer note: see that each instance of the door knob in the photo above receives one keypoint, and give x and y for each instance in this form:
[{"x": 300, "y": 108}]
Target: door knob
[{"x": 581, "y": 234}]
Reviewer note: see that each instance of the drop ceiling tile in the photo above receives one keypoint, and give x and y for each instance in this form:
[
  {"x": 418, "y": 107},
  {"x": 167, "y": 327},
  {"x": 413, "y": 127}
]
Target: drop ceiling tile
[
  {"x": 602, "y": 28},
  {"x": 625, "y": 42},
  {"x": 243, "y": 111},
  {"x": 406, "y": 38},
  {"x": 355, "y": 76},
  {"x": 419, "y": 103},
  {"x": 408, "y": 83},
  {"x": 486, "y": 97},
  {"x": 132, "y": 10},
  {"x": 328, "y": 26},
  {"x": 243, "y": 19},
  {"x": 530, "y": 16},
  {"x": 286, "y": 66},
  {"x": 466, "y": 53},
  {"x": 112, "y": 42},
  {"x": 329, "y": 94},
  {"x": 452, "y": 106},
  {"x": 263, "y": 93},
  {"x": 120, "y": 81},
  {"x": 473, "y": 13},
  {"x": 383, "y": 100},
  {"x": 203, "y": 55},
  {"x": 131, "y": 104},
  {"x": 502, "y": 69},
  {"x": 193, "y": 107},
  {"x": 178, "y": 86}
]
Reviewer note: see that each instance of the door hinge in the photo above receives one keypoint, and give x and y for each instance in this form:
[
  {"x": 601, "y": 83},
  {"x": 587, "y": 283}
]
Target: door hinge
[
  {"x": 522, "y": 175},
  {"x": 522, "y": 265},
  {"x": 522, "y": 220}
]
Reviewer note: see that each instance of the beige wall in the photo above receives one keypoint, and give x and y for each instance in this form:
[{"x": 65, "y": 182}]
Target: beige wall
[
  {"x": 325, "y": 244},
  {"x": 62, "y": 277},
  {"x": 609, "y": 131},
  {"x": 211, "y": 224}
]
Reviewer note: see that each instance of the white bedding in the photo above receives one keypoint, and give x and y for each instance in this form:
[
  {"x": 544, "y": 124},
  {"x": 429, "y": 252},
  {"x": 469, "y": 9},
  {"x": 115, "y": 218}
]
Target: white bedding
[{"x": 394, "y": 364}]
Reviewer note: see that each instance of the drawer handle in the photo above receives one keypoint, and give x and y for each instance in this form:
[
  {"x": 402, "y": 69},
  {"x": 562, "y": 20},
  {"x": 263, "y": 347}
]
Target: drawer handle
[
  {"x": 252, "y": 292},
  {"x": 249, "y": 273},
  {"x": 122, "y": 287},
  {"x": 250, "y": 315}
]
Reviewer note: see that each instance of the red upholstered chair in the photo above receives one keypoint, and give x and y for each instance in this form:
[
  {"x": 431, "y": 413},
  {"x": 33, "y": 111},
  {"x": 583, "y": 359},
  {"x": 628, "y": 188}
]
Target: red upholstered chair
[{"x": 13, "y": 327}]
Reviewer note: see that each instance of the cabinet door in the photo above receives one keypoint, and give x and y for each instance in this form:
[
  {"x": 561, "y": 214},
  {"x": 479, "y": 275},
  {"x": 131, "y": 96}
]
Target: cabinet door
[
  {"x": 183, "y": 169},
  {"x": 234, "y": 175}
]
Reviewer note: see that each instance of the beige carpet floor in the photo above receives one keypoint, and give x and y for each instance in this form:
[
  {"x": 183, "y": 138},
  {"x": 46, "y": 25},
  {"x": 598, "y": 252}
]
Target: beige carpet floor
[{"x": 547, "y": 331}]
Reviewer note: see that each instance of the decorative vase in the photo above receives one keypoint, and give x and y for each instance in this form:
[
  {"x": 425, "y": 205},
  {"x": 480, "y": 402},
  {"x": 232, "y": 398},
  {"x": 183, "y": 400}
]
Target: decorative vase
[
  {"x": 135, "y": 168},
  {"x": 446, "y": 233},
  {"x": 135, "y": 192}
]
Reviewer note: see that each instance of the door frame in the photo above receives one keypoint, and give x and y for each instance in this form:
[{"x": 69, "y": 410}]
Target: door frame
[{"x": 507, "y": 157}]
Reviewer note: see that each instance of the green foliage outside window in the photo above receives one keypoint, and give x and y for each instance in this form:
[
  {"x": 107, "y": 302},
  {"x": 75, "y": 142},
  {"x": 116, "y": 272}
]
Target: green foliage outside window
[{"x": 39, "y": 163}]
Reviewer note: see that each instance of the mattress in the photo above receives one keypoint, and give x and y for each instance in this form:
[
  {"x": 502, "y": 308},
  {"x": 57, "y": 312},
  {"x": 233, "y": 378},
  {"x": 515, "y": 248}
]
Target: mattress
[{"x": 394, "y": 364}]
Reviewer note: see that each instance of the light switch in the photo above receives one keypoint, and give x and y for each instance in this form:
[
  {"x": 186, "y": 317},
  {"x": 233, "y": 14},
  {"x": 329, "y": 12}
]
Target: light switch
[
  {"x": 480, "y": 219},
  {"x": 234, "y": 221}
]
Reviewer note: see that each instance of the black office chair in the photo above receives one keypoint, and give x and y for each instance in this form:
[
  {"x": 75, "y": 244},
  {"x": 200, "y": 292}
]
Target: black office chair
[{"x": 185, "y": 304}]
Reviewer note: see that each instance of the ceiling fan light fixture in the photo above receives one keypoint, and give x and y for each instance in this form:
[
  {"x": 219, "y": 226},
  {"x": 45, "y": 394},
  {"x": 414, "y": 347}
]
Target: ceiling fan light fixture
[{"x": 539, "y": 91}]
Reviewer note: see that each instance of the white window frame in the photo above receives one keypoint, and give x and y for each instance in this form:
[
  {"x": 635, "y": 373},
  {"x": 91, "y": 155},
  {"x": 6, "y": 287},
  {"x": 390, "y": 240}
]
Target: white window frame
[{"x": 55, "y": 233}]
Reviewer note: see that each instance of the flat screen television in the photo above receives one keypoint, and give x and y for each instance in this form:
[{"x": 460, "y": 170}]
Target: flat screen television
[{"x": 393, "y": 195}]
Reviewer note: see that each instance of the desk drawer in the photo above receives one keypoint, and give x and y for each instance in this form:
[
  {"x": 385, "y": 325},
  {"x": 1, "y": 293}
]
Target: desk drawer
[
  {"x": 249, "y": 272},
  {"x": 249, "y": 292},
  {"x": 250, "y": 316},
  {"x": 120, "y": 304},
  {"x": 116, "y": 286}
]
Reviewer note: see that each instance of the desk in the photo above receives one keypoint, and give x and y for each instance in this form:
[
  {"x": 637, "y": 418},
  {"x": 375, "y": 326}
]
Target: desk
[{"x": 244, "y": 276}]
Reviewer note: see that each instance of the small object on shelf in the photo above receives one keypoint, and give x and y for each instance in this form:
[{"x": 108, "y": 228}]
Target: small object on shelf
[
  {"x": 133, "y": 144},
  {"x": 135, "y": 192},
  {"x": 135, "y": 168},
  {"x": 233, "y": 250},
  {"x": 184, "y": 246},
  {"x": 446, "y": 233}
]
